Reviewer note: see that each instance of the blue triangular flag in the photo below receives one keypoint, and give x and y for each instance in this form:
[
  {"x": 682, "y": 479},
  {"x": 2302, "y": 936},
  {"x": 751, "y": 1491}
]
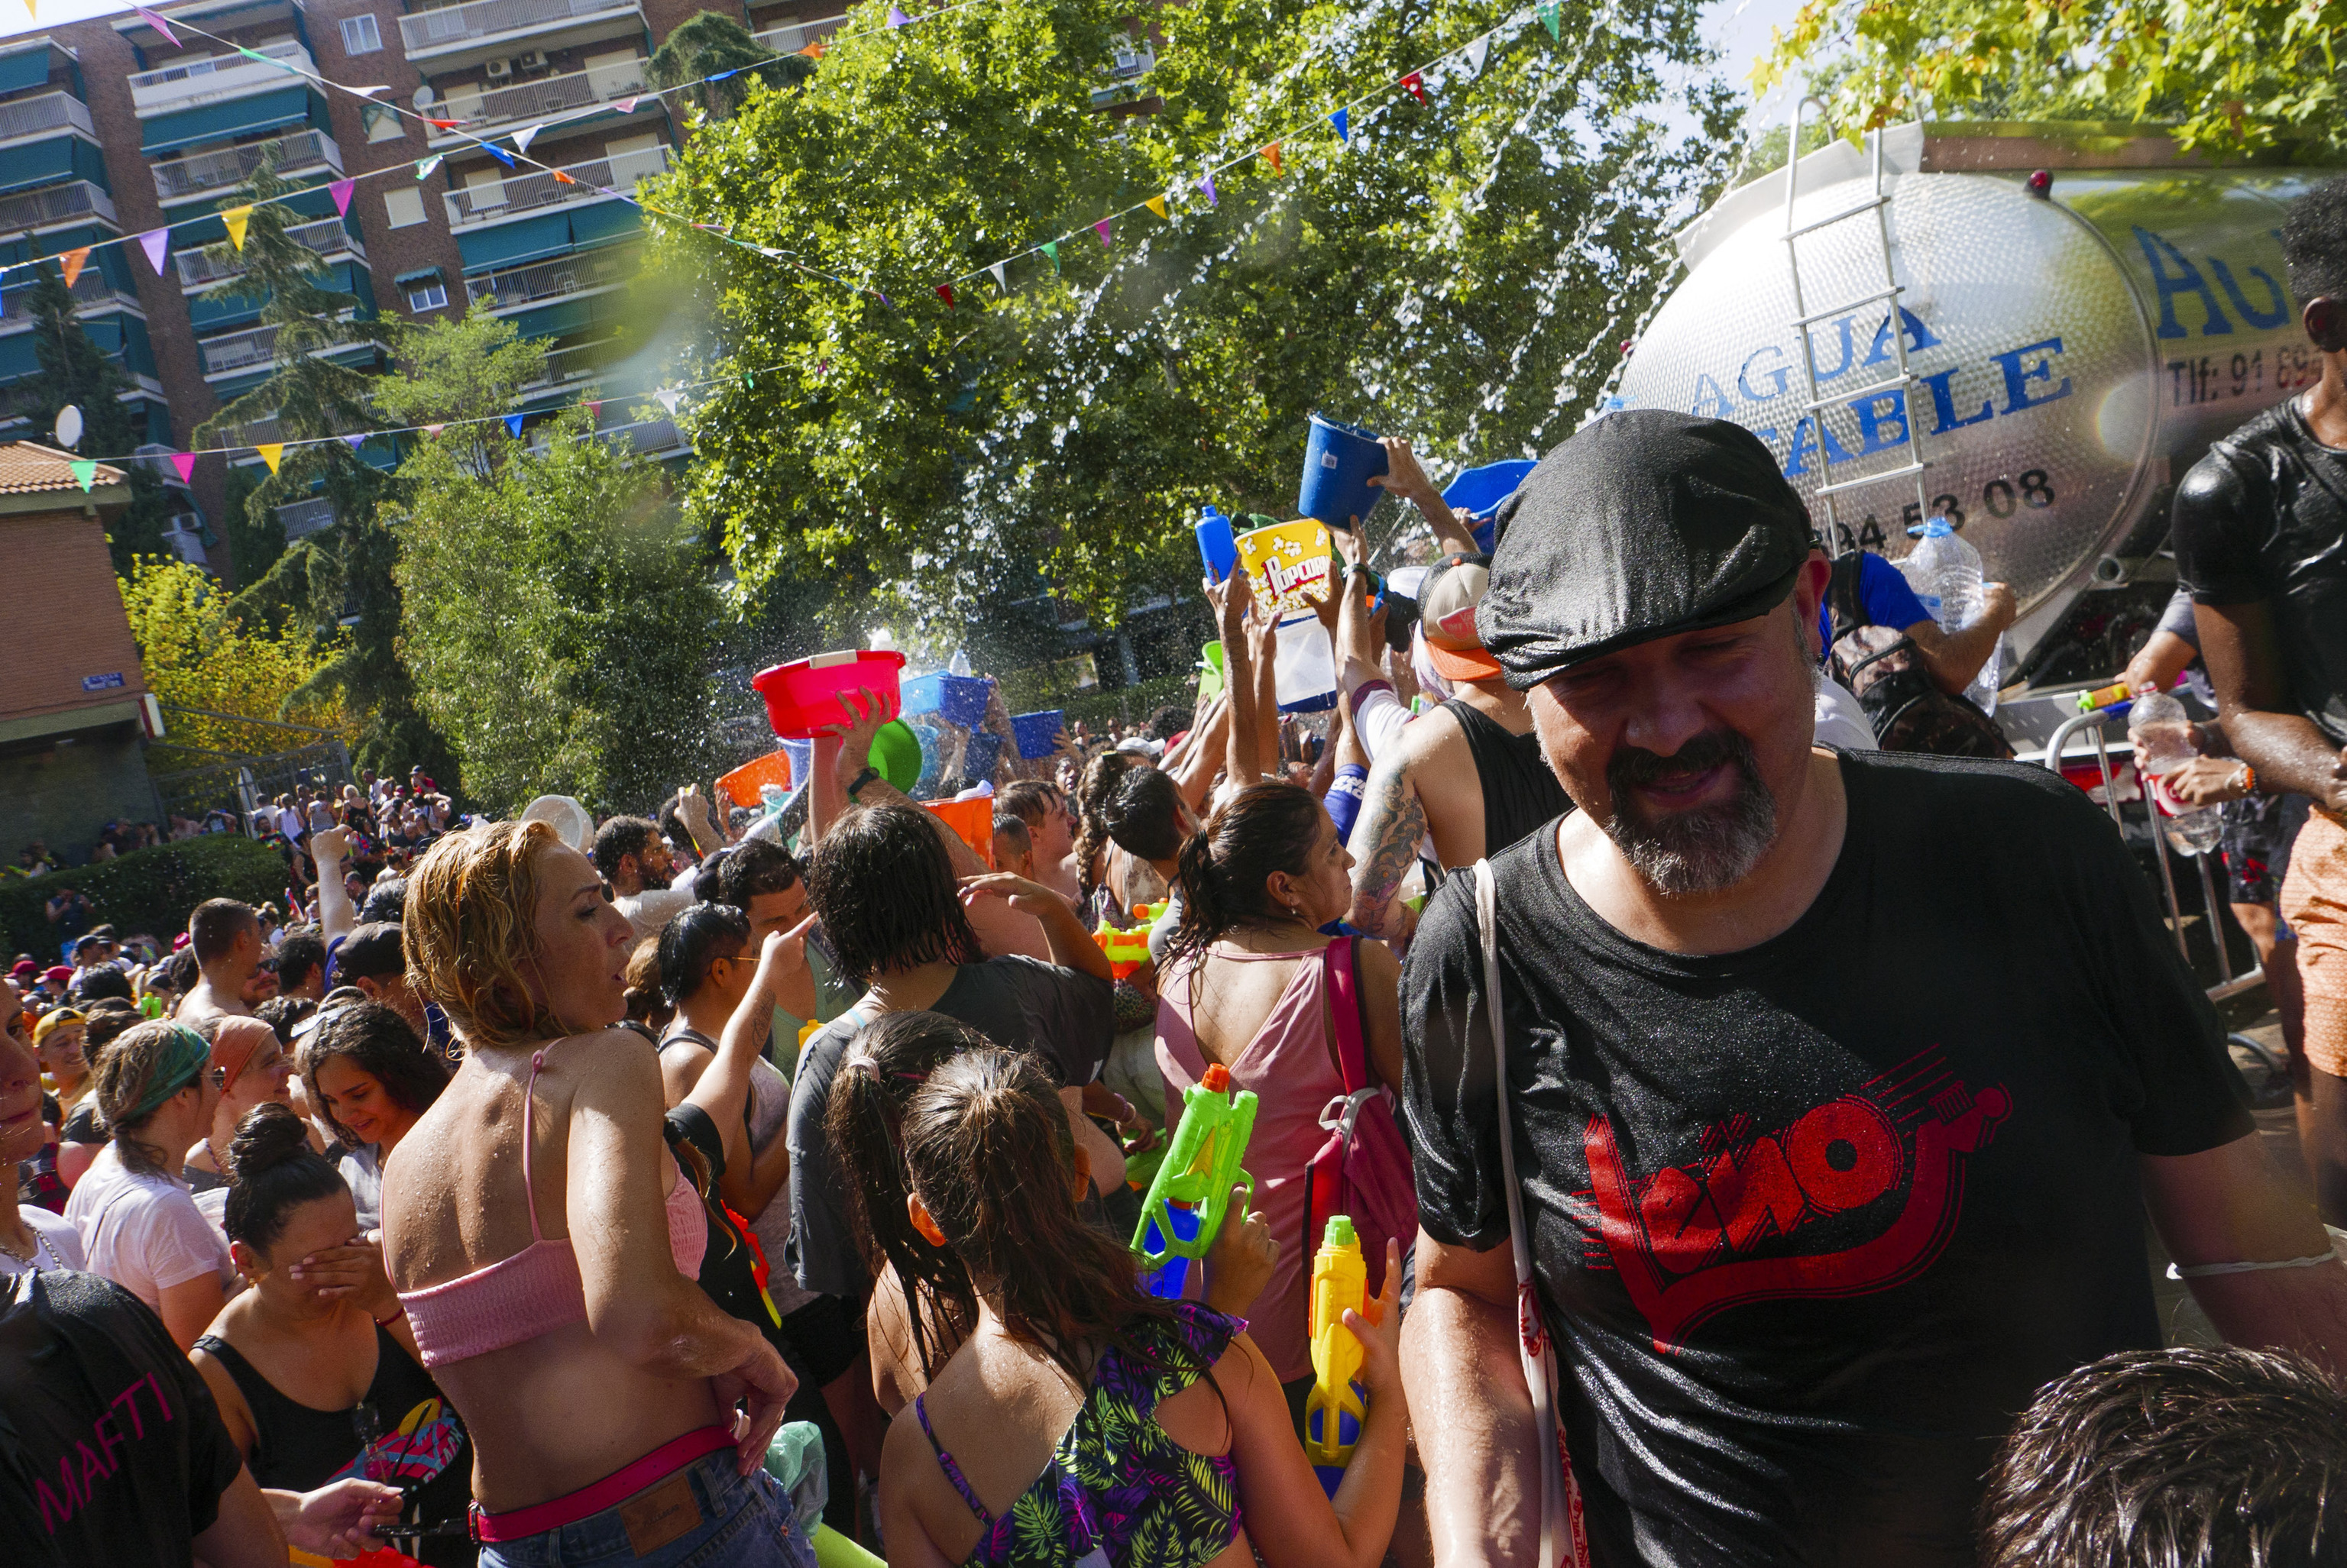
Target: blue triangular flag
[
  {"x": 1338, "y": 120},
  {"x": 500, "y": 154},
  {"x": 512, "y": 426},
  {"x": 722, "y": 75}
]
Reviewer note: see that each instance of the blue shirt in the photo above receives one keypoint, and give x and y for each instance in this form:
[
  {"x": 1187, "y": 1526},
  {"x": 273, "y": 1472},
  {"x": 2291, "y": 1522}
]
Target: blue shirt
[{"x": 1883, "y": 593}]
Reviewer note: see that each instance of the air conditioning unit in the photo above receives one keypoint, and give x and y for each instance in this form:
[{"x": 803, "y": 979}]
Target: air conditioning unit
[
  {"x": 498, "y": 70},
  {"x": 532, "y": 61}
]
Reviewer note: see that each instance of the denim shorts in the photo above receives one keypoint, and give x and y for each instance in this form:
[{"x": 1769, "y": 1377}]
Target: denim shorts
[{"x": 745, "y": 1522}]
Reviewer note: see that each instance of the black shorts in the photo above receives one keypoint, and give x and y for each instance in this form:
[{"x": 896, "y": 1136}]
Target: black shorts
[
  {"x": 823, "y": 1339},
  {"x": 2256, "y": 846}
]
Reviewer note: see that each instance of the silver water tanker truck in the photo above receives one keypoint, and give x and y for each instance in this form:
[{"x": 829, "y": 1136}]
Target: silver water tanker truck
[{"x": 2034, "y": 330}]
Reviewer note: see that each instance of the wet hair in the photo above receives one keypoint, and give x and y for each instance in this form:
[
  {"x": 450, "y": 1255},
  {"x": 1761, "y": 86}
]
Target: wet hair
[
  {"x": 2314, "y": 242},
  {"x": 989, "y": 1148},
  {"x": 213, "y": 929},
  {"x": 119, "y": 1075},
  {"x": 2186, "y": 1458},
  {"x": 1030, "y": 800},
  {"x": 1144, "y": 815},
  {"x": 1098, "y": 786},
  {"x": 620, "y": 836},
  {"x": 373, "y": 1037},
  {"x": 694, "y": 940},
  {"x": 884, "y": 886},
  {"x": 736, "y": 875},
  {"x": 272, "y": 1171},
  {"x": 387, "y": 901},
  {"x": 1166, "y": 723},
  {"x": 887, "y": 1060},
  {"x": 473, "y": 925},
  {"x": 1011, "y": 834},
  {"x": 646, "y": 1005},
  {"x": 97, "y": 985},
  {"x": 301, "y": 951},
  {"x": 1263, "y": 829},
  {"x": 176, "y": 974},
  {"x": 284, "y": 1015}
]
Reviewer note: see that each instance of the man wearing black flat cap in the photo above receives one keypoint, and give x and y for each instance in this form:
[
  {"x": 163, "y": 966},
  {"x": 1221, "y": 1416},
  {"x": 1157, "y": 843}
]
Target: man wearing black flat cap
[{"x": 1837, "y": 1084}]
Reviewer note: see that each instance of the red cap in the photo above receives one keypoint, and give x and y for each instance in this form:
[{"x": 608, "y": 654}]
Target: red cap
[{"x": 1217, "y": 1079}]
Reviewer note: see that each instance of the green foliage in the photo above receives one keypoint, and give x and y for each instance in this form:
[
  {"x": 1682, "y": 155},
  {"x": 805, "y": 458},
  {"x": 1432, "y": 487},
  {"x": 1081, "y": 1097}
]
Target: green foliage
[
  {"x": 197, "y": 652},
  {"x": 2230, "y": 76},
  {"x": 456, "y": 371},
  {"x": 712, "y": 42},
  {"x": 75, "y": 370},
  {"x": 1460, "y": 274},
  {"x": 147, "y": 890},
  {"x": 559, "y": 618}
]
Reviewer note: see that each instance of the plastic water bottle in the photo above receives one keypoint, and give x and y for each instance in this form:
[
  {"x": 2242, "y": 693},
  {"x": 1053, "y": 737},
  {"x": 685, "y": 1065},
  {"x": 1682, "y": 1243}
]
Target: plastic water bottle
[
  {"x": 2161, "y": 733},
  {"x": 1946, "y": 572}
]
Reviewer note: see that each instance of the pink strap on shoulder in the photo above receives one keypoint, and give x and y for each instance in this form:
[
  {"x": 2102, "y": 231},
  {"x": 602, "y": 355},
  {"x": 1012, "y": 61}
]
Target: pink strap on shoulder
[
  {"x": 1345, "y": 1013},
  {"x": 529, "y": 1187}
]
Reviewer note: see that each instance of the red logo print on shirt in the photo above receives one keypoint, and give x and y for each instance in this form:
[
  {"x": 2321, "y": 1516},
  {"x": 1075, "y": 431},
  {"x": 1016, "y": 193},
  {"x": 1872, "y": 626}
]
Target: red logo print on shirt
[{"x": 1683, "y": 1240}]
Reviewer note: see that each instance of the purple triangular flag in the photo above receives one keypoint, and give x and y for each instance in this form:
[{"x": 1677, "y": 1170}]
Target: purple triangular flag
[
  {"x": 157, "y": 22},
  {"x": 1101, "y": 228},
  {"x": 1206, "y": 184},
  {"x": 341, "y": 190},
  {"x": 357, "y": 441},
  {"x": 154, "y": 242},
  {"x": 898, "y": 18}
]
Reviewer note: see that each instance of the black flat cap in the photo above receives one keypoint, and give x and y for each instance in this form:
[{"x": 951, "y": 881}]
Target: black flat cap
[{"x": 1644, "y": 525}]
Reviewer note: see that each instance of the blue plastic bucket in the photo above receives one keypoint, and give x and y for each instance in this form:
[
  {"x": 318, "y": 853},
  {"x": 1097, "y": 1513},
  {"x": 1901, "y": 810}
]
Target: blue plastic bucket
[
  {"x": 1038, "y": 733},
  {"x": 1338, "y": 460},
  {"x": 960, "y": 698},
  {"x": 1477, "y": 492}
]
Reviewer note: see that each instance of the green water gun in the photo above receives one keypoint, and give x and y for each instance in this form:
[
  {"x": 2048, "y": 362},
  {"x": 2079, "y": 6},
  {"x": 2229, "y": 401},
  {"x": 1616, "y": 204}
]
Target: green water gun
[{"x": 1192, "y": 1190}]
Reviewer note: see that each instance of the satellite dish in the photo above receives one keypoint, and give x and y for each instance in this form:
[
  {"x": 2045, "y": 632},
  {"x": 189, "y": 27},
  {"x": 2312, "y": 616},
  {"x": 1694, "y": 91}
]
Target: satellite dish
[
  {"x": 68, "y": 426},
  {"x": 424, "y": 96}
]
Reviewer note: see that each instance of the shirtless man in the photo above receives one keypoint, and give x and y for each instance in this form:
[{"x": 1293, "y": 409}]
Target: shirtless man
[
  {"x": 226, "y": 937},
  {"x": 1468, "y": 775}
]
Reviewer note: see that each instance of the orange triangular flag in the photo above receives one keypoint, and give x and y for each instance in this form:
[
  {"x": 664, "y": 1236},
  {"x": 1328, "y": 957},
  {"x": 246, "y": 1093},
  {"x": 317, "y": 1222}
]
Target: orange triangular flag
[
  {"x": 1272, "y": 152},
  {"x": 1155, "y": 204},
  {"x": 561, "y": 179},
  {"x": 814, "y": 51},
  {"x": 272, "y": 453},
  {"x": 72, "y": 260}
]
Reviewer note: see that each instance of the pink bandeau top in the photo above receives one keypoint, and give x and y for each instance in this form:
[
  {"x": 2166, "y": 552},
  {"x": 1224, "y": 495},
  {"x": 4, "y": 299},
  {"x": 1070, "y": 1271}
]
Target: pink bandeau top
[{"x": 538, "y": 1290}]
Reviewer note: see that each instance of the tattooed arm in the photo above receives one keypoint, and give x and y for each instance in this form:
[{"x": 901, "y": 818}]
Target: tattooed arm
[{"x": 1385, "y": 841}]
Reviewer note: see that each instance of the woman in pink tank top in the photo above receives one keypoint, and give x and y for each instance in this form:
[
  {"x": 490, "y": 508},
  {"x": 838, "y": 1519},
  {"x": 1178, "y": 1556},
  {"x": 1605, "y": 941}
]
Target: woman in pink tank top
[
  {"x": 543, "y": 1240},
  {"x": 1243, "y": 985}
]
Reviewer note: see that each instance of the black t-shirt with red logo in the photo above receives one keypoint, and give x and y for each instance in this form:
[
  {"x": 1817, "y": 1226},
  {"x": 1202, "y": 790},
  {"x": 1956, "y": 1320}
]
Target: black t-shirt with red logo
[{"x": 1813, "y": 1222}]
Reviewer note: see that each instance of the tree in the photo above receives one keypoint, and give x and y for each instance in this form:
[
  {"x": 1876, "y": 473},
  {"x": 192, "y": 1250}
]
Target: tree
[
  {"x": 1459, "y": 271},
  {"x": 559, "y": 617},
  {"x": 74, "y": 371},
  {"x": 2228, "y": 76},
  {"x": 709, "y": 44},
  {"x": 197, "y": 651},
  {"x": 342, "y": 575}
]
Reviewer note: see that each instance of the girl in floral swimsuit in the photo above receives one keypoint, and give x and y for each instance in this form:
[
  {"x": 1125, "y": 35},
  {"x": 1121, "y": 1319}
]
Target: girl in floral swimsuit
[{"x": 1084, "y": 1424}]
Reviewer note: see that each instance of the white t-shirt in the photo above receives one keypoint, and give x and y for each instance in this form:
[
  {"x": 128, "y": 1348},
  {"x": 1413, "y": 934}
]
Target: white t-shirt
[
  {"x": 361, "y": 1167},
  {"x": 288, "y": 822},
  {"x": 55, "y": 1244},
  {"x": 653, "y": 908},
  {"x": 143, "y": 1231},
  {"x": 1841, "y": 722}
]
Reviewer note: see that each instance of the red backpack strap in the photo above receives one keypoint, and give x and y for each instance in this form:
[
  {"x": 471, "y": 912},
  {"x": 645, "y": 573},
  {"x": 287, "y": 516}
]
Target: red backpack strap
[{"x": 1341, "y": 968}]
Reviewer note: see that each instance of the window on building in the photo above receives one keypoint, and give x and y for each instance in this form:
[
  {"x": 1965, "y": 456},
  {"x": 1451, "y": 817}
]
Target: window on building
[
  {"x": 426, "y": 294},
  {"x": 404, "y": 207},
  {"x": 383, "y": 123},
  {"x": 361, "y": 35}
]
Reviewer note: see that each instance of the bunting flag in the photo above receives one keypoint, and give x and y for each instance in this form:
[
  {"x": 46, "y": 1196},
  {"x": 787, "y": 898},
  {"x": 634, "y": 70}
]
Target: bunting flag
[
  {"x": 945, "y": 292},
  {"x": 156, "y": 242},
  {"x": 254, "y": 54},
  {"x": 722, "y": 75},
  {"x": 155, "y": 22},
  {"x": 669, "y": 398},
  {"x": 1155, "y": 204},
  {"x": 814, "y": 51},
  {"x": 434, "y": 429},
  {"x": 1001, "y": 277},
  {"x": 185, "y": 462},
  {"x": 272, "y": 453},
  {"x": 355, "y": 442},
  {"x": 341, "y": 190},
  {"x": 522, "y": 139},
  {"x": 73, "y": 261},
  {"x": 1272, "y": 152},
  {"x": 1052, "y": 248},
  {"x": 1206, "y": 184},
  {"x": 424, "y": 165},
  {"x": 1414, "y": 85},
  {"x": 85, "y": 472},
  {"x": 562, "y": 179},
  {"x": 1339, "y": 119},
  {"x": 1477, "y": 53},
  {"x": 236, "y": 217},
  {"x": 898, "y": 18},
  {"x": 512, "y": 426},
  {"x": 1101, "y": 228},
  {"x": 439, "y": 124},
  {"x": 1551, "y": 20},
  {"x": 370, "y": 92},
  {"x": 625, "y": 105},
  {"x": 595, "y": 410},
  {"x": 500, "y": 154}
]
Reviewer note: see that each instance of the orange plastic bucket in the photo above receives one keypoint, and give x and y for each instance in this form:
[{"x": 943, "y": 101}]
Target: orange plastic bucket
[
  {"x": 973, "y": 821},
  {"x": 742, "y": 784}
]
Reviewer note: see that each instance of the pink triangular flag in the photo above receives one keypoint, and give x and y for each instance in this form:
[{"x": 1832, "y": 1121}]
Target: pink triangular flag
[
  {"x": 625, "y": 105},
  {"x": 157, "y": 22},
  {"x": 341, "y": 190},
  {"x": 595, "y": 409},
  {"x": 434, "y": 429},
  {"x": 1101, "y": 228},
  {"x": 154, "y": 242},
  {"x": 185, "y": 462}
]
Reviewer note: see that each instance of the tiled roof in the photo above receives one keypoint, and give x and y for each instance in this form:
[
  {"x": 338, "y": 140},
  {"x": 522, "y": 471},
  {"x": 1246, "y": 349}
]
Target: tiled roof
[{"x": 27, "y": 469}]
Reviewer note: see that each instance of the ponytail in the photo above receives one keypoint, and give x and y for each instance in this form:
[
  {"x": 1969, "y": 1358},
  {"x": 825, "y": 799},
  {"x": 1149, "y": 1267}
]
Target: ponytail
[{"x": 1224, "y": 867}]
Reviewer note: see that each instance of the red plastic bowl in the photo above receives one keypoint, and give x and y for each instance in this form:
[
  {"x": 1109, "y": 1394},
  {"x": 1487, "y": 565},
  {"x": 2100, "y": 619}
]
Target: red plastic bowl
[{"x": 803, "y": 695}]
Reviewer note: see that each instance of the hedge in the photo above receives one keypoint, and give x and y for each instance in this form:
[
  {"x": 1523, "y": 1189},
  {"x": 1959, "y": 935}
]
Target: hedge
[{"x": 151, "y": 891}]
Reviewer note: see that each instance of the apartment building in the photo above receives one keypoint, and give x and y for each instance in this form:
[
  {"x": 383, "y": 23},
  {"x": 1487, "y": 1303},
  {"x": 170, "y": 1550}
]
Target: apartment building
[{"x": 109, "y": 128}]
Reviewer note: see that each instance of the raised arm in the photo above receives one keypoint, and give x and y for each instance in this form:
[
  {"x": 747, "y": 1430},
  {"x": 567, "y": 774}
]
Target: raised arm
[
  {"x": 1406, "y": 478},
  {"x": 1203, "y": 751},
  {"x": 336, "y": 917}
]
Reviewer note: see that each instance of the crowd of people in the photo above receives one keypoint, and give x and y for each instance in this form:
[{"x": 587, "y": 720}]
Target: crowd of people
[{"x": 1748, "y": 1102}]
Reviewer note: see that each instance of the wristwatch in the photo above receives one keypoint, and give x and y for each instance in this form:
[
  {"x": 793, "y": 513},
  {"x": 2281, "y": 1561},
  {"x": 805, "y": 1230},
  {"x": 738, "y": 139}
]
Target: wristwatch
[{"x": 862, "y": 779}]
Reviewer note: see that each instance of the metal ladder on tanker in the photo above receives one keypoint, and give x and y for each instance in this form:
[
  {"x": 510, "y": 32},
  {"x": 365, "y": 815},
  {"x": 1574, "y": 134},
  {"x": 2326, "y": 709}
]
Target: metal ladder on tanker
[{"x": 1805, "y": 320}]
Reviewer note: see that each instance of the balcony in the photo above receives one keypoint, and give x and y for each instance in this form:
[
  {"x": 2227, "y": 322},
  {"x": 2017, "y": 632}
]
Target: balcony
[
  {"x": 53, "y": 205},
  {"x": 32, "y": 117},
  {"x": 185, "y": 84},
  {"x": 469, "y": 33},
  {"x": 793, "y": 36},
  {"x": 539, "y": 191},
  {"x": 238, "y": 351},
  {"x": 327, "y": 236},
  {"x": 184, "y": 534},
  {"x": 583, "y": 273},
  {"x": 488, "y": 115},
  {"x": 569, "y": 367},
  {"x": 203, "y": 173},
  {"x": 300, "y": 518},
  {"x": 89, "y": 290}
]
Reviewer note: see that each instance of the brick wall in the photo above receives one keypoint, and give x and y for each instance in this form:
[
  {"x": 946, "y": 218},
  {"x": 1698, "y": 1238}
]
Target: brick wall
[{"x": 66, "y": 620}]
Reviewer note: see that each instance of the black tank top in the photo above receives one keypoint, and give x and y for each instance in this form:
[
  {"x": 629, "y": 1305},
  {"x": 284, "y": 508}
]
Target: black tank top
[
  {"x": 1520, "y": 793},
  {"x": 403, "y": 1434}
]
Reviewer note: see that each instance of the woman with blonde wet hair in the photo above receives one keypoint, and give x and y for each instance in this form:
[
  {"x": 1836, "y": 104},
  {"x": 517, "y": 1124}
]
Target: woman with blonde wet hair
[{"x": 545, "y": 1244}]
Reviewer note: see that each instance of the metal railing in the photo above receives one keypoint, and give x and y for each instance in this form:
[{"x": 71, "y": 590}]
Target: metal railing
[
  {"x": 540, "y": 189},
  {"x": 518, "y": 286},
  {"x": 90, "y": 288},
  {"x": 241, "y": 783},
  {"x": 206, "y": 171},
  {"x": 49, "y": 112},
  {"x": 447, "y": 25},
  {"x": 301, "y": 518},
  {"x": 186, "y": 83},
  {"x": 209, "y": 265},
  {"x": 564, "y": 367},
  {"x": 239, "y": 351},
  {"x": 791, "y": 37},
  {"x": 535, "y": 100},
  {"x": 54, "y": 204}
]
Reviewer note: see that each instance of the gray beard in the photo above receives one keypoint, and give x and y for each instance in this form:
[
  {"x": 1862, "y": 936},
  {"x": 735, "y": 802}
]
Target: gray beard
[{"x": 1696, "y": 851}]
